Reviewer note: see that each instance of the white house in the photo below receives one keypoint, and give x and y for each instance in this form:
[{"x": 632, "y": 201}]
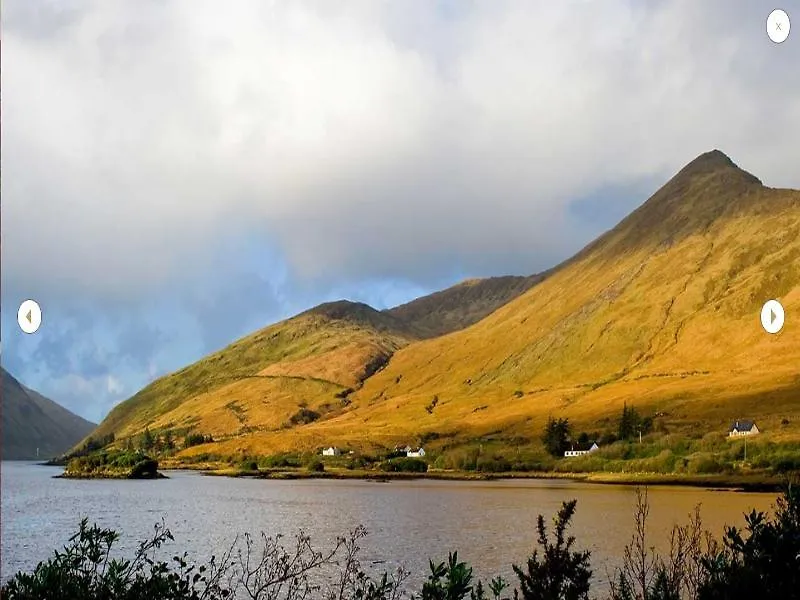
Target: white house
[
  {"x": 581, "y": 449},
  {"x": 332, "y": 451},
  {"x": 740, "y": 428},
  {"x": 417, "y": 453}
]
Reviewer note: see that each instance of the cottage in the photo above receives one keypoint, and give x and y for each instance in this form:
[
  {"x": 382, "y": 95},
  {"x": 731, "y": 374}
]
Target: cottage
[
  {"x": 581, "y": 449},
  {"x": 416, "y": 453},
  {"x": 332, "y": 451},
  {"x": 740, "y": 428}
]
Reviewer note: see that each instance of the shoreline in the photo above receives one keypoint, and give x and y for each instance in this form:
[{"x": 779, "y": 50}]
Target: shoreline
[{"x": 760, "y": 482}]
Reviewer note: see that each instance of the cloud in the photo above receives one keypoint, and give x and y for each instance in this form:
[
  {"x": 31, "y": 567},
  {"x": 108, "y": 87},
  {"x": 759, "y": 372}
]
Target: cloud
[{"x": 226, "y": 167}]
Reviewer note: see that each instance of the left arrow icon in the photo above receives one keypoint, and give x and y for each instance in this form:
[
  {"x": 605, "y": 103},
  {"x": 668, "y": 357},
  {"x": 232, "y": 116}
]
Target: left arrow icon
[{"x": 29, "y": 316}]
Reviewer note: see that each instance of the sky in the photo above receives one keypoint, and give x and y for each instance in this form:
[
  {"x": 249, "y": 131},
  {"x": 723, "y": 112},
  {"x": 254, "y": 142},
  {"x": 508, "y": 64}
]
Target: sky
[{"x": 176, "y": 176}]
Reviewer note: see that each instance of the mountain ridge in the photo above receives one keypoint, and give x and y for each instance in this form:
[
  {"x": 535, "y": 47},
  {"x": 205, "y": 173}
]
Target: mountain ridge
[
  {"x": 661, "y": 309},
  {"x": 33, "y": 422}
]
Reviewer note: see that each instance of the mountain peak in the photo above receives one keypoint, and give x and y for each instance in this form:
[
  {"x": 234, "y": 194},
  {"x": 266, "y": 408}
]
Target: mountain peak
[{"x": 713, "y": 162}]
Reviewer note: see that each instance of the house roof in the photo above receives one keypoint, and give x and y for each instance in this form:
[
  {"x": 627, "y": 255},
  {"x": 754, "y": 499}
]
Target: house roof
[
  {"x": 742, "y": 425},
  {"x": 582, "y": 447}
]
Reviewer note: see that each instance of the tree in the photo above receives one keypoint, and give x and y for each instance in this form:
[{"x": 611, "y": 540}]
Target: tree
[
  {"x": 147, "y": 441},
  {"x": 559, "y": 573},
  {"x": 631, "y": 424},
  {"x": 555, "y": 436}
]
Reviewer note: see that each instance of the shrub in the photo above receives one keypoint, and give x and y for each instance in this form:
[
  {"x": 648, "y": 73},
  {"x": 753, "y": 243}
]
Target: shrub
[
  {"x": 85, "y": 570},
  {"x": 404, "y": 465},
  {"x": 315, "y": 466},
  {"x": 248, "y": 465},
  {"x": 760, "y": 562},
  {"x": 195, "y": 439},
  {"x": 559, "y": 572},
  {"x": 281, "y": 461},
  {"x": 495, "y": 464},
  {"x": 304, "y": 416}
]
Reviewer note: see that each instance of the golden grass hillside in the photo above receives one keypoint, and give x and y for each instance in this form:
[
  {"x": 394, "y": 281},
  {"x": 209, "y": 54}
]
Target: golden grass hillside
[
  {"x": 661, "y": 312},
  {"x": 311, "y": 361}
]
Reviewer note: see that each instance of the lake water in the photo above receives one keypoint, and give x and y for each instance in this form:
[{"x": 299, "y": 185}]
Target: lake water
[{"x": 491, "y": 524}]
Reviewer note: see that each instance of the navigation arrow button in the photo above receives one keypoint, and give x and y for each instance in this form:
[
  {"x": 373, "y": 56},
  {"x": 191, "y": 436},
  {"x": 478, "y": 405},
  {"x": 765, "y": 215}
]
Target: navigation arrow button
[{"x": 772, "y": 316}]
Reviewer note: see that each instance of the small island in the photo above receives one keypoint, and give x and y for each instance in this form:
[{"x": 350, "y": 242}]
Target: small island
[{"x": 112, "y": 464}]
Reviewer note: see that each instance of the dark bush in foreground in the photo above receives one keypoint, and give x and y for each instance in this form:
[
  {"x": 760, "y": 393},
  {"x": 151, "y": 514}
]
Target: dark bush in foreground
[{"x": 404, "y": 465}]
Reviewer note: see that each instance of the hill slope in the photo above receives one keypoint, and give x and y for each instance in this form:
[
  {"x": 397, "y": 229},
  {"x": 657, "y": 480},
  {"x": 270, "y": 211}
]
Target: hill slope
[
  {"x": 258, "y": 382},
  {"x": 31, "y": 421},
  {"x": 662, "y": 312},
  {"x": 461, "y": 305},
  {"x": 311, "y": 361}
]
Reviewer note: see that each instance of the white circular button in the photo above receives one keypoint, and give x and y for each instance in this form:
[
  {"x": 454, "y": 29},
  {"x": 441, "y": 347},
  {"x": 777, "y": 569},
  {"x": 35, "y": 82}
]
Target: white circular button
[
  {"x": 772, "y": 316},
  {"x": 778, "y": 26},
  {"x": 29, "y": 316}
]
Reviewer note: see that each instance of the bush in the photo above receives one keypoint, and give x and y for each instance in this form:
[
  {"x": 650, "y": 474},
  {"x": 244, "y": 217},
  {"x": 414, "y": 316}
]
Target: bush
[
  {"x": 281, "y": 461},
  {"x": 496, "y": 464},
  {"x": 559, "y": 572},
  {"x": 248, "y": 465},
  {"x": 85, "y": 570},
  {"x": 404, "y": 465},
  {"x": 315, "y": 466},
  {"x": 195, "y": 439},
  {"x": 304, "y": 416},
  {"x": 702, "y": 463}
]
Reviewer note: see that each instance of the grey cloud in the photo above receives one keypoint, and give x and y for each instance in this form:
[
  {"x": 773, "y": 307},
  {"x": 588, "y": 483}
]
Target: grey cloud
[
  {"x": 145, "y": 145},
  {"x": 138, "y": 133}
]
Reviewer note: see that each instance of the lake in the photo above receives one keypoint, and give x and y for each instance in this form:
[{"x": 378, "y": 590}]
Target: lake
[{"x": 490, "y": 523}]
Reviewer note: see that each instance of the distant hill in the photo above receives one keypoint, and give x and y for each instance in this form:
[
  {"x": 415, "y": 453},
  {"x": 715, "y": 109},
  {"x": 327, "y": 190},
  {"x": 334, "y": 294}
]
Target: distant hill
[
  {"x": 259, "y": 382},
  {"x": 31, "y": 421},
  {"x": 662, "y": 311},
  {"x": 461, "y": 305}
]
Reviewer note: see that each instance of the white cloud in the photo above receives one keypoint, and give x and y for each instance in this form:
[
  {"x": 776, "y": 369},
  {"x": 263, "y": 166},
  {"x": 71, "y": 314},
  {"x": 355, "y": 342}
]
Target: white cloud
[{"x": 360, "y": 140}]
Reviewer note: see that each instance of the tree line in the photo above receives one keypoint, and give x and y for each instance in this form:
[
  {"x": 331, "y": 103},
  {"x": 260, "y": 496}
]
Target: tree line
[{"x": 557, "y": 436}]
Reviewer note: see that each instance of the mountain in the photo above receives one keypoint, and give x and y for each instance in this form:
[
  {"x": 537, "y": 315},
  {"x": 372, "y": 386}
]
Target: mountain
[
  {"x": 31, "y": 421},
  {"x": 461, "y": 305},
  {"x": 259, "y": 382},
  {"x": 662, "y": 311}
]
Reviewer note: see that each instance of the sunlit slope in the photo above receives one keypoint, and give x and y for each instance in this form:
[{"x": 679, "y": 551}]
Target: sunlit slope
[
  {"x": 673, "y": 293},
  {"x": 259, "y": 381},
  {"x": 662, "y": 312}
]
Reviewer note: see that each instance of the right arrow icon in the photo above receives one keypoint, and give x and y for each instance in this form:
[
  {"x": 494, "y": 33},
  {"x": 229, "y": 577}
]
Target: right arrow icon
[{"x": 772, "y": 316}]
